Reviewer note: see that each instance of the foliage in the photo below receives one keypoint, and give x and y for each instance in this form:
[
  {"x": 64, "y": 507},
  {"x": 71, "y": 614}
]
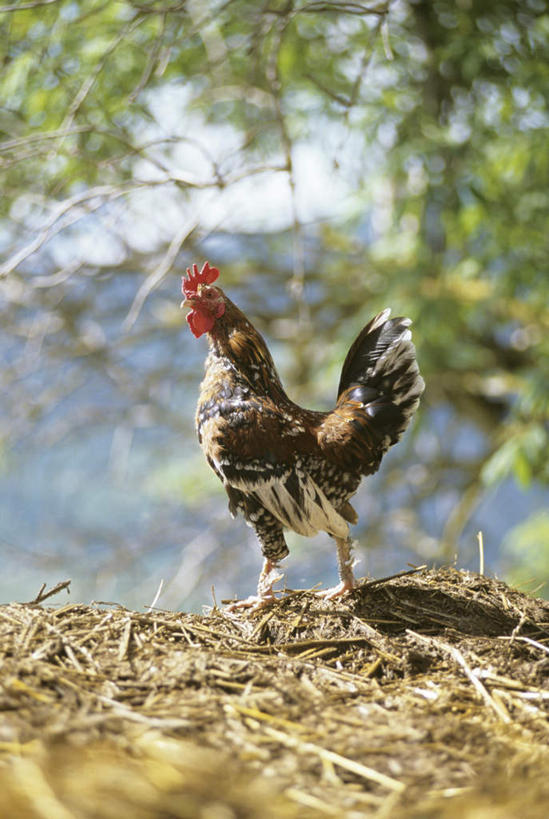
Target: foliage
[
  {"x": 399, "y": 149},
  {"x": 525, "y": 550}
]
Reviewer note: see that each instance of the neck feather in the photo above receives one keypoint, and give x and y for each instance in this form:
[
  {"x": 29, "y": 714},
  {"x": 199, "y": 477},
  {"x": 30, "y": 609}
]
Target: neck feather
[{"x": 233, "y": 337}]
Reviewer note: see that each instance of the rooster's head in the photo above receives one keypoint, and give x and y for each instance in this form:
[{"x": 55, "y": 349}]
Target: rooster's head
[{"x": 207, "y": 303}]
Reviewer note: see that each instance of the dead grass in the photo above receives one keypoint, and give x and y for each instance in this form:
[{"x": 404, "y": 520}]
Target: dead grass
[{"x": 425, "y": 695}]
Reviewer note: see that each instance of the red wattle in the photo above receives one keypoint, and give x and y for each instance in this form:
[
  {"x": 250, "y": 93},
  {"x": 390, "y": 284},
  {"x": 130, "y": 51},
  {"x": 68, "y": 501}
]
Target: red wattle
[{"x": 200, "y": 322}]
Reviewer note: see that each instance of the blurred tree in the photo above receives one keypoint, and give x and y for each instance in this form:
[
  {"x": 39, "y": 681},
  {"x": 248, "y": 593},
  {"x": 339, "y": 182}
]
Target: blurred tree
[
  {"x": 530, "y": 537},
  {"x": 351, "y": 153}
]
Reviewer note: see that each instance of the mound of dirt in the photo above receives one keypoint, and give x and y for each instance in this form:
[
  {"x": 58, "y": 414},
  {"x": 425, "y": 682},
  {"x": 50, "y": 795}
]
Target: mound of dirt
[{"x": 424, "y": 695}]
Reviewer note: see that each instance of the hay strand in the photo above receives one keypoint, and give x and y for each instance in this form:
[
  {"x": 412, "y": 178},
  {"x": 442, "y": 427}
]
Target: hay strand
[{"x": 420, "y": 696}]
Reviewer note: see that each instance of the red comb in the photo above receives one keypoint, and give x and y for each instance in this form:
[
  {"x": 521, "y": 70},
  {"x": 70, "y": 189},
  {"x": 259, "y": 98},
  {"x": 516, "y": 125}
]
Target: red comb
[{"x": 207, "y": 275}]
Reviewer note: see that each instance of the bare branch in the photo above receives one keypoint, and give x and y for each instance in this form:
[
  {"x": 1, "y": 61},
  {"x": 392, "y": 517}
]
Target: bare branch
[
  {"x": 297, "y": 284},
  {"x": 343, "y": 8},
  {"x": 104, "y": 193},
  {"x": 42, "y": 136},
  {"x": 158, "y": 275},
  {"x": 151, "y": 62},
  {"x": 43, "y": 595},
  {"x": 89, "y": 82},
  {"x": 32, "y": 4},
  {"x": 59, "y": 277}
]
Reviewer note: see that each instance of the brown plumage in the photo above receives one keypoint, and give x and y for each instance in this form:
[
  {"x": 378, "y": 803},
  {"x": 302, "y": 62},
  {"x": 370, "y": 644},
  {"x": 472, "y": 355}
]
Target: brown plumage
[{"x": 285, "y": 467}]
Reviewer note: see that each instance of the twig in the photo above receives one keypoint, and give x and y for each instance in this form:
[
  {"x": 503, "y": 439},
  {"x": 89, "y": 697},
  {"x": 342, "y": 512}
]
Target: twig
[
  {"x": 33, "y": 4},
  {"x": 459, "y": 516},
  {"x": 310, "y": 801},
  {"x": 480, "y": 553},
  {"x": 308, "y": 747},
  {"x": 302, "y": 645},
  {"x": 41, "y": 596},
  {"x": 89, "y": 82},
  {"x": 370, "y": 583},
  {"x": 102, "y": 193},
  {"x": 262, "y": 716},
  {"x": 357, "y": 768},
  {"x": 385, "y": 38},
  {"x": 159, "y": 274},
  {"x": 264, "y": 620},
  {"x": 343, "y": 8},
  {"x": 125, "y": 641},
  {"x": 59, "y": 277},
  {"x": 496, "y": 706},
  {"x": 157, "y": 595},
  {"x": 273, "y": 76},
  {"x": 42, "y": 136},
  {"x": 456, "y": 655},
  {"x": 151, "y": 62},
  {"x": 526, "y": 640}
]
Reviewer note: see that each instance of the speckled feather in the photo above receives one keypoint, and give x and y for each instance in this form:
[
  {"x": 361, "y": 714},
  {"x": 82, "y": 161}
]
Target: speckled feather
[{"x": 287, "y": 467}]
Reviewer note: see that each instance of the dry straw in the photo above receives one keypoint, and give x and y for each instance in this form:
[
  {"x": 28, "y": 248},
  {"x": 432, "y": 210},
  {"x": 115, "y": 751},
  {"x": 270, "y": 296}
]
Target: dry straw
[{"x": 421, "y": 695}]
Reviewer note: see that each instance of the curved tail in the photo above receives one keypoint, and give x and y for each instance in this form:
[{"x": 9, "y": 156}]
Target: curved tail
[{"x": 380, "y": 383}]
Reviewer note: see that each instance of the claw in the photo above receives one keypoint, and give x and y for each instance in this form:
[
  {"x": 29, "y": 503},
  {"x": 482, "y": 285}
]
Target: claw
[
  {"x": 336, "y": 591},
  {"x": 265, "y": 595},
  {"x": 253, "y": 603}
]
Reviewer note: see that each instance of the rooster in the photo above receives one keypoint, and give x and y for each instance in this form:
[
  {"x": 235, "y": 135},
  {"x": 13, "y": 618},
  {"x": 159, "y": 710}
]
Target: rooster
[{"x": 285, "y": 467}]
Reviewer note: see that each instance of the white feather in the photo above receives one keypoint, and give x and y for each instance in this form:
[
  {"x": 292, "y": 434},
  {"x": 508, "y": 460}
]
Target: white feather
[{"x": 314, "y": 514}]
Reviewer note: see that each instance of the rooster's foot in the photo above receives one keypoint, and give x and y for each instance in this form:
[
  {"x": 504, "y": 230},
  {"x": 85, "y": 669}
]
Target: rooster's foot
[
  {"x": 253, "y": 603},
  {"x": 337, "y": 591},
  {"x": 345, "y": 567},
  {"x": 265, "y": 595}
]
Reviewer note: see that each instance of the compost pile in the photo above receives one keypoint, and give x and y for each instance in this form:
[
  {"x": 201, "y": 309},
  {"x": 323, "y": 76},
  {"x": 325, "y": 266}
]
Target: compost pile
[{"x": 425, "y": 695}]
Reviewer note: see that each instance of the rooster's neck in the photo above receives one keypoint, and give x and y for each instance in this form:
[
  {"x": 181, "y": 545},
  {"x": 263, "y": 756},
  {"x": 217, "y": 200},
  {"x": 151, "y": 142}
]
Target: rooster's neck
[{"x": 236, "y": 345}]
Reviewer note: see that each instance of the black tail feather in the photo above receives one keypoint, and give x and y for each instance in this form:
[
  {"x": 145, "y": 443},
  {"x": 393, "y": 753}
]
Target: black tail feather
[{"x": 381, "y": 373}]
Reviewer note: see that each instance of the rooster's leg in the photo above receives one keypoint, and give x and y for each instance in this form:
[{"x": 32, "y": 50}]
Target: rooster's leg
[
  {"x": 345, "y": 567},
  {"x": 265, "y": 595}
]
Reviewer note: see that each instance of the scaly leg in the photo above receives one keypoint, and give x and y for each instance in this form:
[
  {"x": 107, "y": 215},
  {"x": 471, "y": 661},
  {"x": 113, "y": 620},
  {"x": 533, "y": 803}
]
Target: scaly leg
[
  {"x": 345, "y": 568},
  {"x": 265, "y": 595}
]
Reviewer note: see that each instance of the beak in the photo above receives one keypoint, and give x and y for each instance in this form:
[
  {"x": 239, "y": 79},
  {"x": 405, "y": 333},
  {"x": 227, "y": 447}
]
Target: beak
[{"x": 191, "y": 301}]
